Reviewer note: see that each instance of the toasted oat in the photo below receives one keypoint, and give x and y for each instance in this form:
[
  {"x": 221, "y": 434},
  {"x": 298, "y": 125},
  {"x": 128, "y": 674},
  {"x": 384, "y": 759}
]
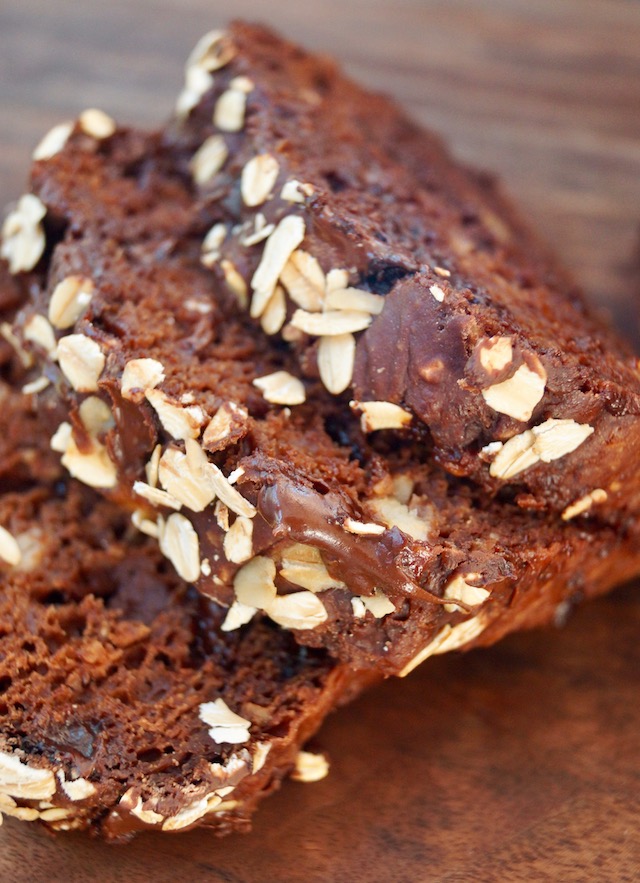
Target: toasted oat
[
  {"x": 81, "y": 361},
  {"x": 242, "y": 84},
  {"x": 235, "y": 283},
  {"x": 69, "y": 300},
  {"x": 179, "y": 543},
  {"x": 281, "y": 388},
  {"x": 337, "y": 280},
  {"x": 336, "y": 359},
  {"x": 238, "y": 541},
  {"x": 96, "y": 123},
  {"x": 310, "y": 767},
  {"x": 145, "y": 525},
  {"x": 437, "y": 293},
  {"x": 151, "y": 468},
  {"x": 93, "y": 467},
  {"x": 138, "y": 376},
  {"x": 180, "y": 422},
  {"x": 332, "y": 322},
  {"x": 238, "y": 615},
  {"x": 304, "y": 280},
  {"x": 357, "y": 607},
  {"x": 197, "y": 83},
  {"x": 35, "y": 386},
  {"x": 213, "y": 478},
  {"x": 258, "y": 179},
  {"x": 599, "y": 495},
  {"x": 212, "y": 51},
  {"x": 53, "y": 142},
  {"x": 209, "y": 159},
  {"x": 212, "y": 243},
  {"x": 183, "y": 482},
  {"x": 221, "y": 513},
  {"x": 393, "y": 513},
  {"x": 25, "y": 782},
  {"x": 354, "y": 299},
  {"x": 301, "y": 610},
  {"x": 95, "y": 415},
  {"x": 155, "y": 496},
  {"x": 403, "y": 488},
  {"x": 254, "y": 583},
  {"x": 260, "y": 755},
  {"x": 9, "y": 548},
  {"x": 279, "y": 247},
  {"x": 261, "y": 231},
  {"x": 459, "y": 588},
  {"x": 448, "y": 638},
  {"x": 228, "y": 417},
  {"x": 302, "y": 565},
  {"x": 61, "y": 437},
  {"x": 377, "y": 604},
  {"x": 546, "y": 442},
  {"x": 295, "y": 191},
  {"x": 226, "y": 725},
  {"x": 495, "y": 353},
  {"x": 77, "y": 789},
  {"x": 440, "y": 271},
  {"x": 517, "y": 396},
  {"x": 275, "y": 312},
  {"x": 382, "y": 415},
  {"x": 228, "y": 114},
  {"x": 363, "y": 528},
  {"x": 25, "y": 357},
  {"x": 23, "y": 239},
  {"x": 39, "y": 331}
]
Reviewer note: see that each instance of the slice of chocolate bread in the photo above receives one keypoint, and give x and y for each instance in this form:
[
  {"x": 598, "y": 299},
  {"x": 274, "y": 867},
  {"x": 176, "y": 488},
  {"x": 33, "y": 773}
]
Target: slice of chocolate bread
[
  {"x": 159, "y": 389},
  {"x": 122, "y": 704},
  {"x": 458, "y": 317}
]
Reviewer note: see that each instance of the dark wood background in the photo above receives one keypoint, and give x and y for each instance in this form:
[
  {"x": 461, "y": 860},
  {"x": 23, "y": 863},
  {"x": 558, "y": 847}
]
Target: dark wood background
[{"x": 517, "y": 763}]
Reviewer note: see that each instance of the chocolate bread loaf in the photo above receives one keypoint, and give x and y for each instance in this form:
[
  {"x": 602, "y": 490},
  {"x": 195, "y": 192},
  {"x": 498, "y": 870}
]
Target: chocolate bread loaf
[
  {"x": 123, "y": 706},
  {"x": 141, "y": 258}
]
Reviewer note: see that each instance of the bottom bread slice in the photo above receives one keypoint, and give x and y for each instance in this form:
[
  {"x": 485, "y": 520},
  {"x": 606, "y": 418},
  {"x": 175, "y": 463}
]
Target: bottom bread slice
[{"x": 123, "y": 706}]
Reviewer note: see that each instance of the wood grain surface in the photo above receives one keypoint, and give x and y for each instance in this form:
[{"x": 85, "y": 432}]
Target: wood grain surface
[{"x": 521, "y": 763}]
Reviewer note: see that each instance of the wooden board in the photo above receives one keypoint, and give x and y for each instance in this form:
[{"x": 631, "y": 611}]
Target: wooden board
[{"x": 517, "y": 763}]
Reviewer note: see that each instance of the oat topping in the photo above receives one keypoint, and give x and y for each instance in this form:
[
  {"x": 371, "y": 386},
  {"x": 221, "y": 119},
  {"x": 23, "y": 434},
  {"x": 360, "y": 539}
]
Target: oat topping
[
  {"x": 381, "y": 415},
  {"x": 81, "y": 361},
  {"x": 377, "y": 604},
  {"x": 23, "y": 239},
  {"x": 301, "y": 610},
  {"x": 95, "y": 415},
  {"x": 260, "y": 755},
  {"x": 212, "y": 243},
  {"x": 69, "y": 300},
  {"x": 227, "y": 418},
  {"x": 37, "y": 330},
  {"x": 9, "y": 548},
  {"x": 362, "y": 528},
  {"x": 437, "y": 293},
  {"x": 304, "y": 280},
  {"x": 197, "y": 82},
  {"x": 254, "y": 583},
  {"x": 53, "y": 142},
  {"x": 302, "y": 565},
  {"x": 238, "y": 615},
  {"x": 180, "y": 422},
  {"x": 145, "y": 525},
  {"x": 354, "y": 299},
  {"x": 441, "y": 271},
  {"x": 235, "y": 283},
  {"x": 183, "y": 480},
  {"x": 310, "y": 767},
  {"x": 336, "y": 360},
  {"x": 209, "y": 159},
  {"x": 517, "y": 396},
  {"x": 261, "y": 231},
  {"x": 495, "y": 353},
  {"x": 275, "y": 312},
  {"x": 393, "y": 513},
  {"x": 179, "y": 543},
  {"x": 295, "y": 191},
  {"x": 331, "y": 322},
  {"x": 77, "y": 789},
  {"x": 584, "y": 504},
  {"x": 258, "y": 179},
  {"x": 25, "y": 782},
  {"x": 546, "y": 442},
  {"x": 281, "y": 388},
  {"x": 93, "y": 467},
  {"x": 140, "y": 375},
  {"x": 228, "y": 114},
  {"x": 35, "y": 386},
  {"x": 449, "y": 638},
  {"x": 227, "y": 727},
  {"x": 151, "y": 468},
  {"x": 459, "y": 588},
  {"x": 212, "y": 51},
  {"x": 96, "y": 123},
  {"x": 155, "y": 496},
  {"x": 221, "y": 513},
  {"x": 279, "y": 247},
  {"x": 7, "y": 333},
  {"x": 238, "y": 541}
]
